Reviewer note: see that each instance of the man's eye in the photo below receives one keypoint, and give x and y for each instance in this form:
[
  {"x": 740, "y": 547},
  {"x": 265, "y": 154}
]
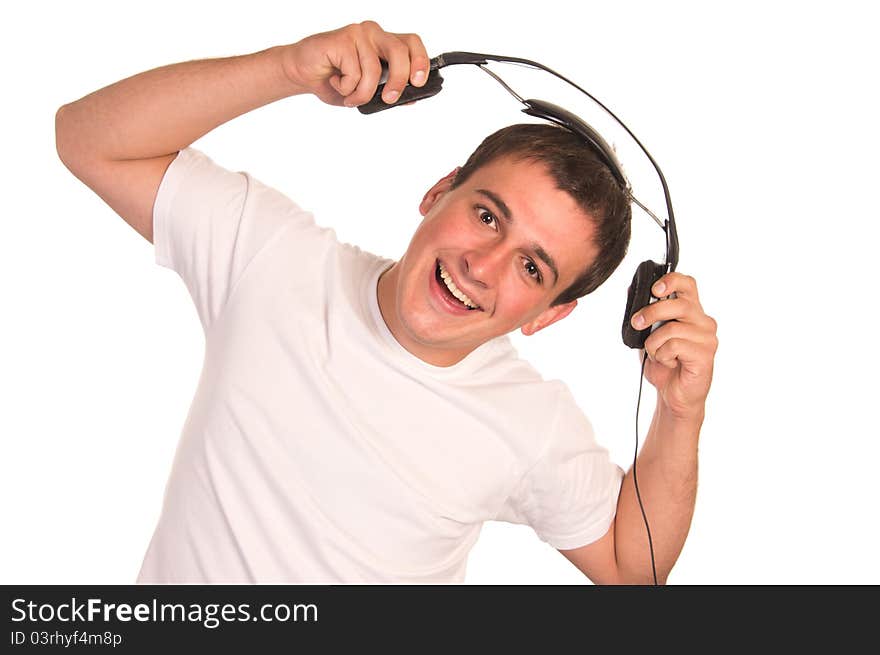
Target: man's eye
[
  {"x": 487, "y": 217},
  {"x": 532, "y": 270}
]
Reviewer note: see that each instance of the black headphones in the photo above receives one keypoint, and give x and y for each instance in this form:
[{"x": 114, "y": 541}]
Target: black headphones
[{"x": 648, "y": 272}]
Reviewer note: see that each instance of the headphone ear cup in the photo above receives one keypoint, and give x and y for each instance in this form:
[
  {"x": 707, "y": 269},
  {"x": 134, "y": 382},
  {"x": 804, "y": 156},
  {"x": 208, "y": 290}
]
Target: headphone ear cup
[{"x": 638, "y": 296}]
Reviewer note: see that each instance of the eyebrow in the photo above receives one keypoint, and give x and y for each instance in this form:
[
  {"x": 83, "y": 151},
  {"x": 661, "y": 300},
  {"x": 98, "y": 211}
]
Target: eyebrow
[{"x": 542, "y": 254}]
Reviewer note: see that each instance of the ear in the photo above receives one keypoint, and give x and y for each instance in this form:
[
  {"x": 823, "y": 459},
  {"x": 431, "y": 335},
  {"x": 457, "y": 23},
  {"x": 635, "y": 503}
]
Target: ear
[
  {"x": 436, "y": 192},
  {"x": 548, "y": 317}
]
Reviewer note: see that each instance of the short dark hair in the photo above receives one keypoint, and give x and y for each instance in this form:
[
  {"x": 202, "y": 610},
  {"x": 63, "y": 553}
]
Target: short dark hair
[{"x": 579, "y": 172}]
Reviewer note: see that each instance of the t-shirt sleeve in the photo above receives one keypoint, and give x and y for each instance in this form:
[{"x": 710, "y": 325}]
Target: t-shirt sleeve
[
  {"x": 569, "y": 496},
  {"x": 209, "y": 223}
]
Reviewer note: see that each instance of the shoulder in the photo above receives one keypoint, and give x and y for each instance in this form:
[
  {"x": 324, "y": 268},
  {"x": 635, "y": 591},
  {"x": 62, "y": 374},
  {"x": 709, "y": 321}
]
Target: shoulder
[
  {"x": 505, "y": 371},
  {"x": 532, "y": 407}
]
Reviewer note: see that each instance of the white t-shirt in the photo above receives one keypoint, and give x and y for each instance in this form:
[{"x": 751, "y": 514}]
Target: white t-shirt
[{"x": 317, "y": 449}]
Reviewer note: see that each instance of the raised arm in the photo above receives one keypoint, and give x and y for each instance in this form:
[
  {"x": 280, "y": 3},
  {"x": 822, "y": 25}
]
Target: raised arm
[
  {"x": 119, "y": 140},
  {"x": 681, "y": 357}
]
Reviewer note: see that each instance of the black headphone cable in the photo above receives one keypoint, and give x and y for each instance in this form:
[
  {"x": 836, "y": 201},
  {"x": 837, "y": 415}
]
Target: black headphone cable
[{"x": 635, "y": 478}]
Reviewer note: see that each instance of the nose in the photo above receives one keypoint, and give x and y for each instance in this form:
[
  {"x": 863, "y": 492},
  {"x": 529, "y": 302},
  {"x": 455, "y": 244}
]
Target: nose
[{"x": 483, "y": 265}]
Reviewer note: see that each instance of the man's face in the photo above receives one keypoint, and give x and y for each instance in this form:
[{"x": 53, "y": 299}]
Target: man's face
[{"x": 506, "y": 242}]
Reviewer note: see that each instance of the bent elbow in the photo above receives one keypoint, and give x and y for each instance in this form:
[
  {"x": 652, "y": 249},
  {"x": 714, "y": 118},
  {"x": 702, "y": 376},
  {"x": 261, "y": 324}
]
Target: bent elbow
[{"x": 62, "y": 136}]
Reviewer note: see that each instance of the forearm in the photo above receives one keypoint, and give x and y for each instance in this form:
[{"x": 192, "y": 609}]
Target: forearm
[
  {"x": 666, "y": 471},
  {"x": 163, "y": 110}
]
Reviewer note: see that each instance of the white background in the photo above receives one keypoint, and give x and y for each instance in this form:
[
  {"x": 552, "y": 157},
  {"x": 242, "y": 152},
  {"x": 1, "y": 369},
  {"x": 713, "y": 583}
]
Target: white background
[{"x": 763, "y": 117}]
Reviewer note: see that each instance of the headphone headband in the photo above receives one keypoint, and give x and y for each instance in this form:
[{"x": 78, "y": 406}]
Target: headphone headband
[{"x": 566, "y": 119}]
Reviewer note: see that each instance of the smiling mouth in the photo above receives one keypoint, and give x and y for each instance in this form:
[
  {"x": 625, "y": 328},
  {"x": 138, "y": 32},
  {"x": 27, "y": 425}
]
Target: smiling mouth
[{"x": 445, "y": 281}]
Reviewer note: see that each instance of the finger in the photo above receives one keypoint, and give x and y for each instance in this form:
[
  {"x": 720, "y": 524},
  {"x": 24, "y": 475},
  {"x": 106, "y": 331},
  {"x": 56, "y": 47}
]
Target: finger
[
  {"x": 371, "y": 71},
  {"x": 695, "y": 357},
  {"x": 349, "y": 66},
  {"x": 679, "y": 334},
  {"x": 418, "y": 58},
  {"x": 667, "y": 354},
  {"x": 681, "y": 285},
  {"x": 682, "y": 331},
  {"x": 396, "y": 54},
  {"x": 673, "y": 309}
]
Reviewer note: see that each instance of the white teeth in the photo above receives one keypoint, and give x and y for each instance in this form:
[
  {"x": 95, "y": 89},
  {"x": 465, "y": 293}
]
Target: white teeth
[{"x": 454, "y": 290}]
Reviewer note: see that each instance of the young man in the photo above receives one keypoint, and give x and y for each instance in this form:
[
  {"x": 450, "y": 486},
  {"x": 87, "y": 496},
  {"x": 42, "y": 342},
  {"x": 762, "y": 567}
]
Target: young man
[{"x": 357, "y": 419}]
